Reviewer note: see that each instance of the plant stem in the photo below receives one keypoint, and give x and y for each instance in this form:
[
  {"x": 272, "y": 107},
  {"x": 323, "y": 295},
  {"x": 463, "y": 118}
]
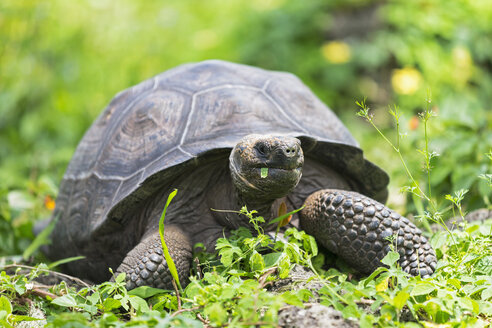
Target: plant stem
[
  {"x": 310, "y": 264},
  {"x": 426, "y": 138}
]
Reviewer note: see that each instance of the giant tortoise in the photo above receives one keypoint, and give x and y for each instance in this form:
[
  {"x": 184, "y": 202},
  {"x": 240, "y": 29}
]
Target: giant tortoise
[{"x": 211, "y": 130}]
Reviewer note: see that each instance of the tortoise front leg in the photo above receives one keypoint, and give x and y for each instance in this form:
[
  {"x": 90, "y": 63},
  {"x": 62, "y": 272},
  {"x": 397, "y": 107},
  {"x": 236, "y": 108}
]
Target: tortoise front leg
[
  {"x": 145, "y": 264},
  {"x": 356, "y": 228}
]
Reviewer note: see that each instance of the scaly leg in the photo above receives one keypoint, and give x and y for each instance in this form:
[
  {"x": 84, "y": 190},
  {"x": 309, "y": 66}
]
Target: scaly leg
[
  {"x": 356, "y": 227},
  {"x": 145, "y": 264}
]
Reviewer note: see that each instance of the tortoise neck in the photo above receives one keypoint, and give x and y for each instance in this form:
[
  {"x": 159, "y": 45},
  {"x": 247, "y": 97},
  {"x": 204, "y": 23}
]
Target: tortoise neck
[
  {"x": 228, "y": 199},
  {"x": 267, "y": 208}
]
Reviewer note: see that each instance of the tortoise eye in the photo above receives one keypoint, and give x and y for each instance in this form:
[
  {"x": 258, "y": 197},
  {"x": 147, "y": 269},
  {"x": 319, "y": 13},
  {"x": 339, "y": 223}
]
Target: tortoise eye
[{"x": 261, "y": 148}]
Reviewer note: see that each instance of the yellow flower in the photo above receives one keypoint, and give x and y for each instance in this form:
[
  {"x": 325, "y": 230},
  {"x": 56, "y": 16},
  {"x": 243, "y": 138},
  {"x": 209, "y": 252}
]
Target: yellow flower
[
  {"x": 49, "y": 203},
  {"x": 336, "y": 52},
  {"x": 406, "y": 81}
]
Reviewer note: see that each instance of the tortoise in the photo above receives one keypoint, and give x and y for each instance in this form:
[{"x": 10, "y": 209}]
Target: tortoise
[{"x": 211, "y": 130}]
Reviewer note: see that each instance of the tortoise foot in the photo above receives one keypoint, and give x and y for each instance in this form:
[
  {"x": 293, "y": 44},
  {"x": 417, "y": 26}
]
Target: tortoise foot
[
  {"x": 145, "y": 264},
  {"x": 357, "y": 228}
]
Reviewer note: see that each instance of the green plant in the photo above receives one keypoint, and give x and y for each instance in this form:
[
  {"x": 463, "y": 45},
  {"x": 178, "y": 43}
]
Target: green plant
[{"x": 167, "y": 256}]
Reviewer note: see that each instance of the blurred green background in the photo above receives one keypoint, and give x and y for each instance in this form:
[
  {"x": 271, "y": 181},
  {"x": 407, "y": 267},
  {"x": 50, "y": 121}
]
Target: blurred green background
[{"x": 62, "y": 61}]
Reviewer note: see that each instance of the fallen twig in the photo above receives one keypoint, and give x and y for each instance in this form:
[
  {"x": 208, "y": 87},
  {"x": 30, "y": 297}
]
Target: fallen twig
[
  {"x": 264, "y": 276},
  {"x": 75, "y": 279},
  {"x": 184, "y": 310},
  {"x": 204, "y": 321},
  {"x": 43, "y": 293}
]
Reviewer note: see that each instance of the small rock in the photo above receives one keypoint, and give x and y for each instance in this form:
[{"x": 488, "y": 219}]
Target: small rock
[
  {"x": 298, "y": 279},
  {"x": 313, "y": 316},
  {"x": 37, "y": 313}
]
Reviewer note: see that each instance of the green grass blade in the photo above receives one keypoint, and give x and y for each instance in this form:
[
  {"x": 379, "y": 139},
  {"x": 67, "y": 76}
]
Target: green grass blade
[
  {"x": 286, "y": 215},
  {"x": 41, "y": 239},
  {"x": 167, "y": 256},
  {"x": 65, "y": 260}
]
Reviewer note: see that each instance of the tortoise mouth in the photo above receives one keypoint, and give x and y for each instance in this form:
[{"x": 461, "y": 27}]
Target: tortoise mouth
[
  {"x": 278, "y": 170},
  {"x": 289, "y": 166},
  {"x": 271, "y": 176}
]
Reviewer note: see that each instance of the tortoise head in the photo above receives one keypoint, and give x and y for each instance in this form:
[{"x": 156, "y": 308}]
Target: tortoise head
[{"x": 266, "y": 166}]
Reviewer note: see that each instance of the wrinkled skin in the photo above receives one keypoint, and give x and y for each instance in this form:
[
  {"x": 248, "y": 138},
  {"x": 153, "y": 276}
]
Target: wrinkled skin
[{"x": 345, "y": 222}]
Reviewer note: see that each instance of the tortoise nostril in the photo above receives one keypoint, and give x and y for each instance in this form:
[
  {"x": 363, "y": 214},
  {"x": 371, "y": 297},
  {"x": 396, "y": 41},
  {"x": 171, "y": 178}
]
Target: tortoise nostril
[{"x": 290, "y": 151}]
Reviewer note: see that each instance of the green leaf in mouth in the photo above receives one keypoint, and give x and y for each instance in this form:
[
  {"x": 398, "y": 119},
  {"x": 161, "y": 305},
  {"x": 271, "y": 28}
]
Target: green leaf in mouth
[{"x": 264, "y": 172}]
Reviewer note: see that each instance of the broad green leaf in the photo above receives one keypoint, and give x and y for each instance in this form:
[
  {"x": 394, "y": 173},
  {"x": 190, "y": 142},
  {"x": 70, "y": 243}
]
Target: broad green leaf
[
  {"x": 388, "y": 310},
  {"x": 3, "y": 320},
  {"x": 92, "y": 309},
  {"x": 139, "y": 304},
  {"x": 469, "y": 304},
  {"x": 304, "y": 294},
  {"x": 20, "y": 286},
  {"x": 454, "y": 282},
  {"x": 111, "y": 304},
  {"x": 65, "y": 300},
  {"x": 366, "y": 321},
  {"x": 228, "y": 293},
  {"x": 256, "y": 262},
  {"x": 94, "y": 298},
  {"x": 291, "y": 298},
  {"x": 222, "y": 243},
  {"x": 309, "y": 244},
  {"x": 120, "y": 278},
  {"x": 486, "y": 294},
  {"x": 272, "y": 259},
  {"x": 216, "y": 313},
  {"x": 382, "y": 285},
  {"x": 351, "y": 311},
  {"x": 146, "y": 291},
  {"x": 390, "y": 258},
  {"x": 422, "y": 288},
  {"x": 226, "y": 257},
  {"x": 293, "y": 252},
  {"x": 5, "y": 305},
  {"x": 124, "y": 300},
  {"x": 400, "y": 299},
  {"x": 284, "y": 267},
  {"x": 439, "y": 239}
]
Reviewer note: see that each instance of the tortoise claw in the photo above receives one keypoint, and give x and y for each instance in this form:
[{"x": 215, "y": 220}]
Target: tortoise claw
[{"x": 359, "y": 230}]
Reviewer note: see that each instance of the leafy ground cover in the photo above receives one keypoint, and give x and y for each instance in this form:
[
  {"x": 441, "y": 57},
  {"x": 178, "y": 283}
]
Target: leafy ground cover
[{"x": 232, "y": 289}]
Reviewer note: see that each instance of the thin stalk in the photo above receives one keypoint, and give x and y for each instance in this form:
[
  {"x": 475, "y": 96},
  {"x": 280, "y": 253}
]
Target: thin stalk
[
  {"x": 426, "y": 137},
  {"x": 310, "y": 264},
  {"x": 397, "y": 150}
]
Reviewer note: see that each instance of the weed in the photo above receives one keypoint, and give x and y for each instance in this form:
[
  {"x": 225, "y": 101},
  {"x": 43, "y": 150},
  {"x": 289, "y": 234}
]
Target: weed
[{"x": 167, "y": 256}]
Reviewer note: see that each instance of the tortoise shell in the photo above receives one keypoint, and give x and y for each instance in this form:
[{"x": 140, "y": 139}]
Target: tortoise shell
[{"x": 173, "y": 121}]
